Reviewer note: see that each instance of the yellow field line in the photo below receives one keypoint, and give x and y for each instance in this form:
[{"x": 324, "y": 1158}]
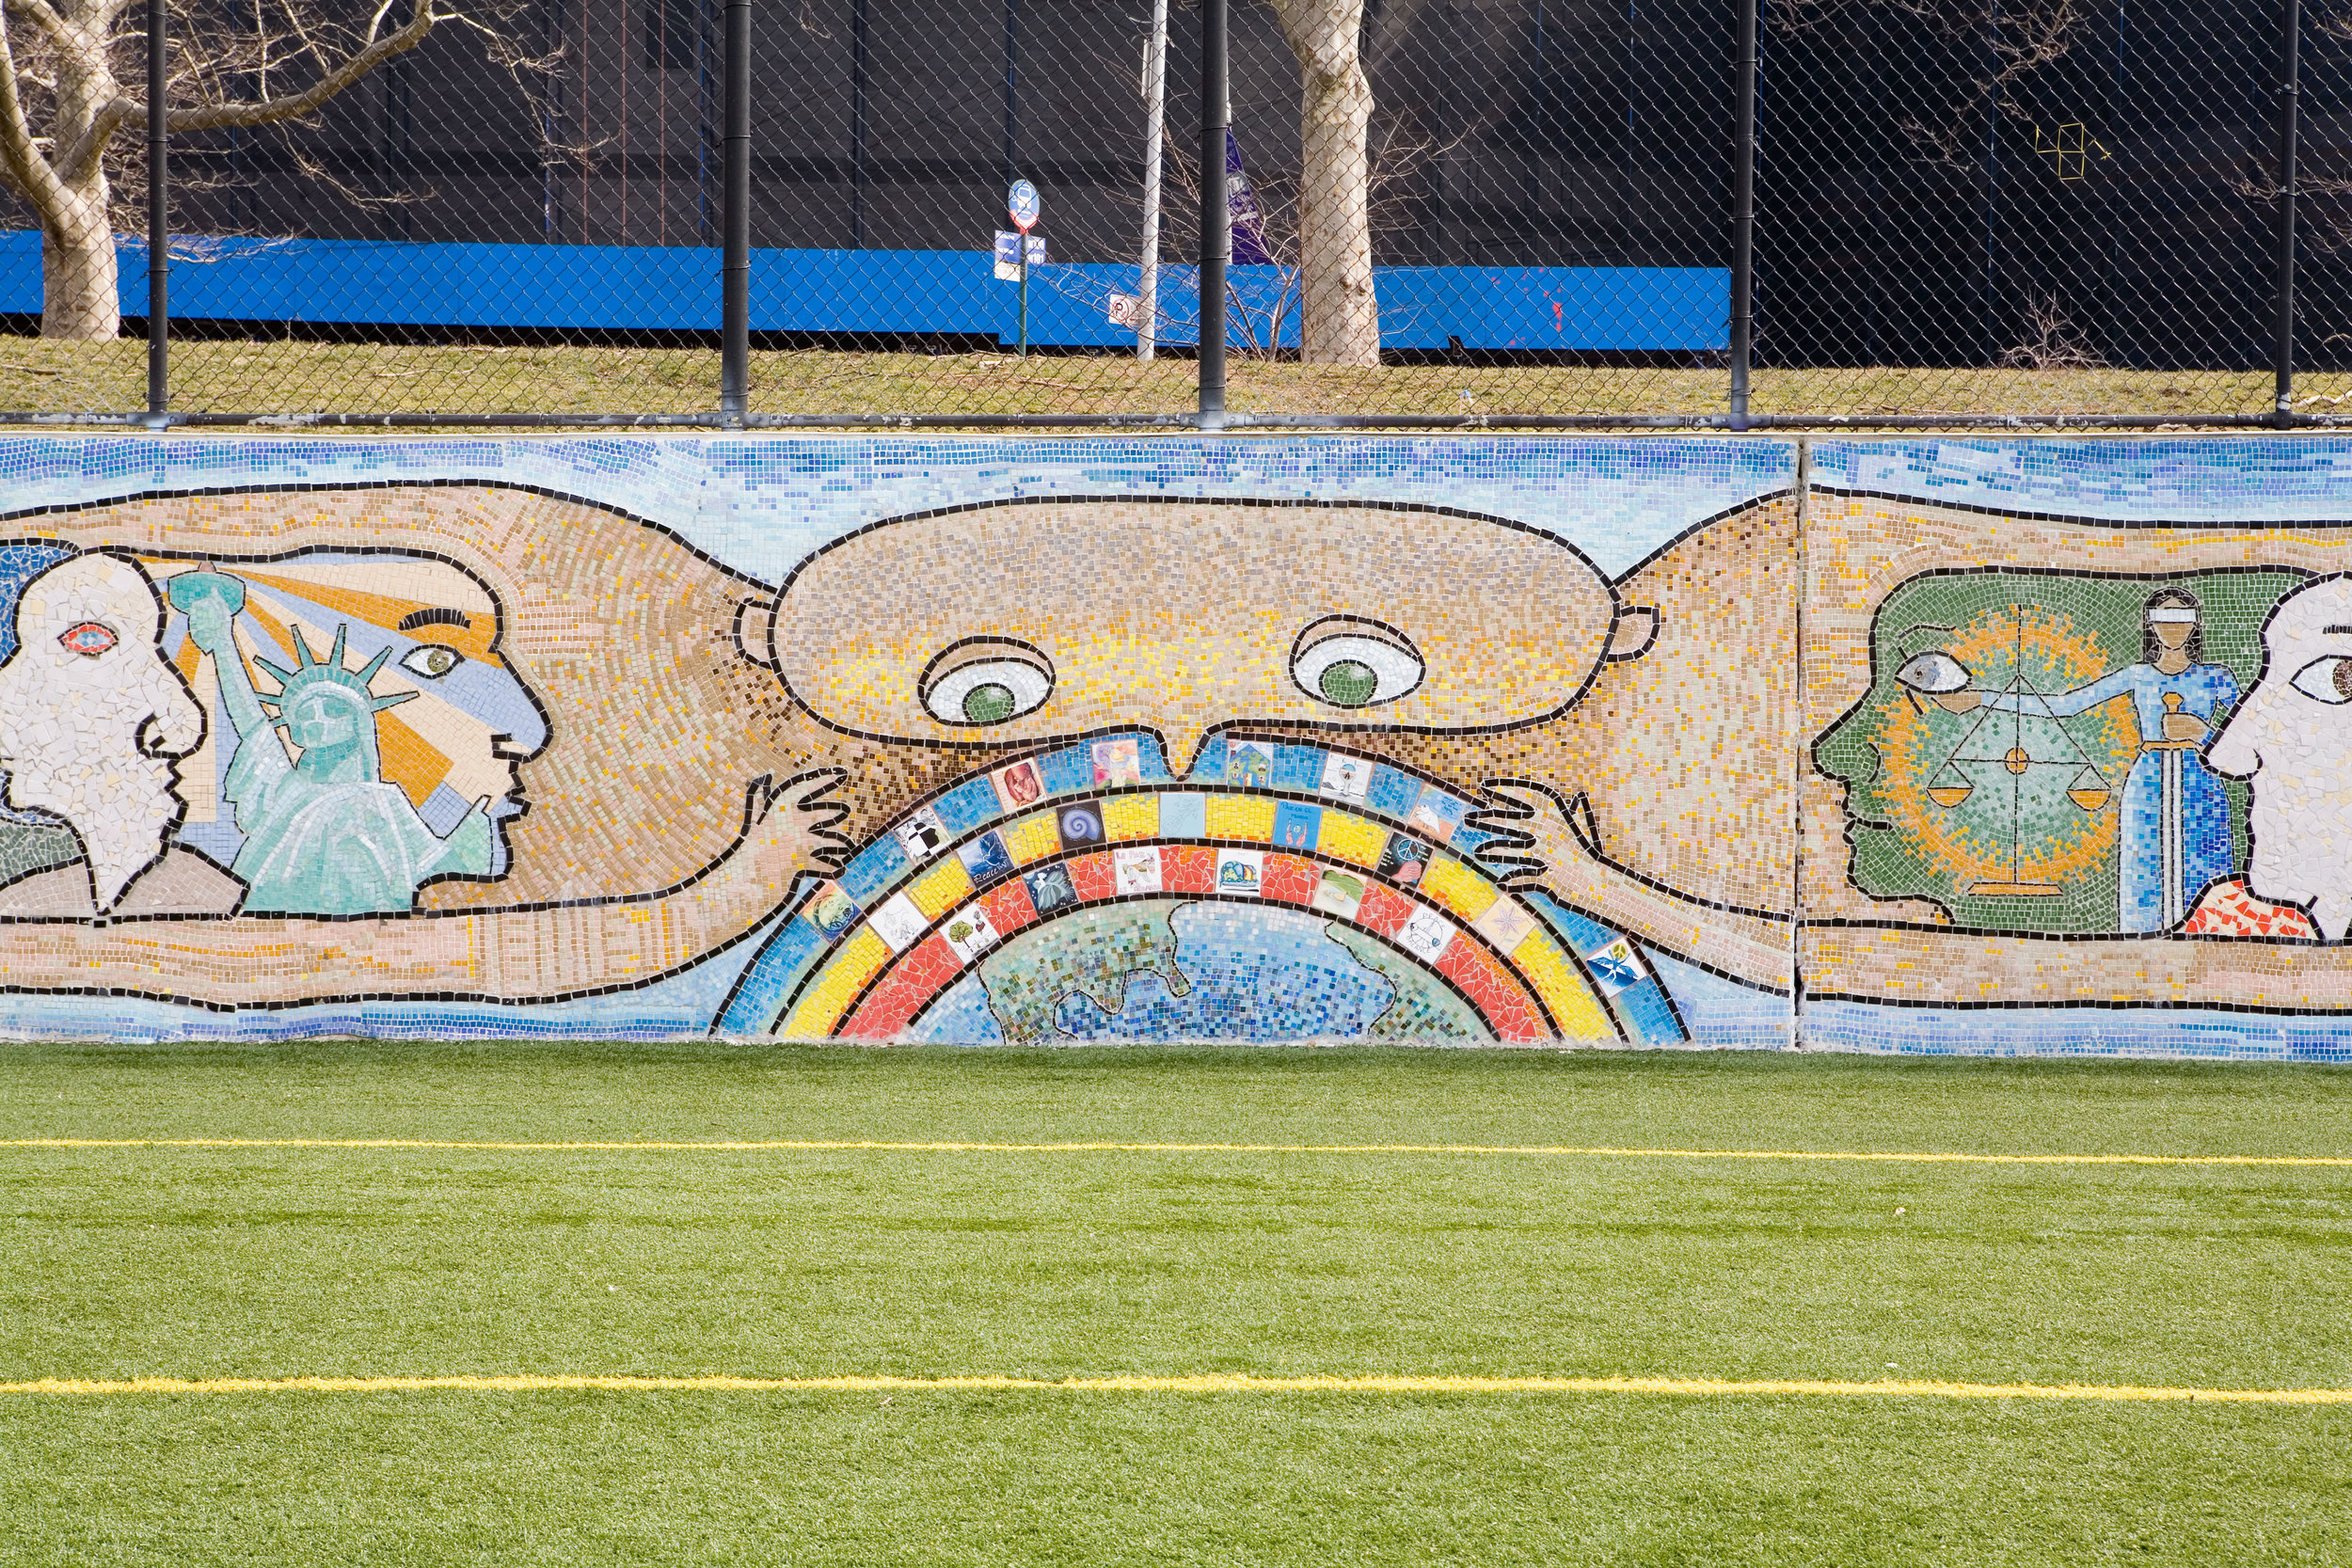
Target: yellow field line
[
  {"x": 855, "y": 1145},
  {"x": 1207, "y": 1384}
]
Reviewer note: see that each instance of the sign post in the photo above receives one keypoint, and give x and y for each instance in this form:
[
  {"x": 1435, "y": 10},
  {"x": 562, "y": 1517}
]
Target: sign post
[{"x": 1021, "y": 204}]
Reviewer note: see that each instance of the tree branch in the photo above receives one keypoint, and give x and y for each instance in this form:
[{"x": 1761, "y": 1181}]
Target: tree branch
[
  {"x": 268, "y": 111},
  {"x": 40, "y": 13},
  {"x": 27, "y": 170},
  {"x": 122, "y": 113}
]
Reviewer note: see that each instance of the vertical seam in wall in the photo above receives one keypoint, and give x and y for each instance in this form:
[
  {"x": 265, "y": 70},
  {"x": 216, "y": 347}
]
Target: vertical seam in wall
[{"x": 1796, "y": 757}]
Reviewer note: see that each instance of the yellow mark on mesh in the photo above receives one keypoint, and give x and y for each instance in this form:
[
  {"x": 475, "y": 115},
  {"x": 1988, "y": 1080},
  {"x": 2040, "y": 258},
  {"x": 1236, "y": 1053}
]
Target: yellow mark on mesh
[
  {"x": 822, "y": 1145},
  {"x": 1221, "y": 1383}
]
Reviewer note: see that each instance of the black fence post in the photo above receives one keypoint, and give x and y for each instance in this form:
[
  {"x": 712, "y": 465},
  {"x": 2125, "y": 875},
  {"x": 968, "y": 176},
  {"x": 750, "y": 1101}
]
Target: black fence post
[
  {"x": 1743, "y": 222},
  {"x": 158, "y": 222},
  {"x": 735, "y": 291},
  {"x": 1216, "y": 224},
  {"x": 2290, "y": 129}
]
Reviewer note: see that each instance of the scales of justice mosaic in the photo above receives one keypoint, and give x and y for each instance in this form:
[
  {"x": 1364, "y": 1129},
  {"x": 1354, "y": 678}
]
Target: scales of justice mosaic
[{"x": 2032, "y": 769}]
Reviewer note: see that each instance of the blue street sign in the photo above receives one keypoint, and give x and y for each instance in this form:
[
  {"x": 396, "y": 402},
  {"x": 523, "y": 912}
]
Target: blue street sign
[{"x": 1020, "y": 202}]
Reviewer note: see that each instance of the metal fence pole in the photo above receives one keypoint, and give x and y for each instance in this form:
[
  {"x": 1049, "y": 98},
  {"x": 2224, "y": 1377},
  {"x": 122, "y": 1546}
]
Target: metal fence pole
[
  {"x": 2289, "y": 133},
  {"x": 1743, "y": 222},
  {"x": 734, "y": 293},
  {"x": 1216, "y": 219},
  {"x": 1154, "y": 112},
  {"x": 158, "y": 220}
]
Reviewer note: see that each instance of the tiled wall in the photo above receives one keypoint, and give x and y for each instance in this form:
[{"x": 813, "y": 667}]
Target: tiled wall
[{"x": 1974, "y": 745}]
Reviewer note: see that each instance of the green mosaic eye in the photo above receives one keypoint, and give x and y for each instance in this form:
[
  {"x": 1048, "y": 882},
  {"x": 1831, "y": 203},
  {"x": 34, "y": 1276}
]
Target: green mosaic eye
[
  {"x": 1350, "y": 662},
  {"x": 989, "y": 704},
  {"x": 1349, "y": 682},
  {"x": 986, "y": 681}
]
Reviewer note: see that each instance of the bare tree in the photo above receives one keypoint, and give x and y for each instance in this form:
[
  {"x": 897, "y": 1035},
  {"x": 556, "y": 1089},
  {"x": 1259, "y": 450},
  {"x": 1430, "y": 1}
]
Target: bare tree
[
  {"x": 1395, "y": 160},
  {"x": 2006, "y": 41},
  {"x": 2052, "y": 341},
  {"x": 70, "y": 133},
  {"x": 1338, "y": 314}
]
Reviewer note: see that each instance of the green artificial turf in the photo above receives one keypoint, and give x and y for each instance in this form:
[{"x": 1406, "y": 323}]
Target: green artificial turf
[{"x": 275, "y": 1262}]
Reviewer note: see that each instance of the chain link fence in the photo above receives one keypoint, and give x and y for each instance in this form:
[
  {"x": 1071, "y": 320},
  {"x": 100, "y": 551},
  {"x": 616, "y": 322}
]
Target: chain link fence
[{"x": 1439, "y": 211}]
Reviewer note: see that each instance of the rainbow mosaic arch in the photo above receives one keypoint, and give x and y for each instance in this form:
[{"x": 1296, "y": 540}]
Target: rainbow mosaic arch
[{"x": 1071, "y": 831}]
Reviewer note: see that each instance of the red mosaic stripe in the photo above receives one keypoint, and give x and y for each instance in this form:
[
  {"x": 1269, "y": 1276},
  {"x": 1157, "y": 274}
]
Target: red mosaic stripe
[
  {"x": 910, "y": 983},
  {"x": 1290, "y": 880},
  {"x": 1187, "y": 868},
  {"x": 921, "y": 973},
  {"x": 1492, "y": 990},
  {"x": 1009, "y": 906},
  {"x": 1093, "y": 876}
]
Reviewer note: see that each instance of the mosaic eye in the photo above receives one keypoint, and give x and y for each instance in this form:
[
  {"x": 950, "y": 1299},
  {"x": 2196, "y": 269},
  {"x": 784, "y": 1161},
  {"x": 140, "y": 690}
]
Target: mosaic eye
[
  {"x": 986, "y": 681},
  {"x": 1352, "y": 663},
  {"x": 2327, "y": 680},
  {"x": 431, "y": 660},
  {"x": 89, "y": 639}
]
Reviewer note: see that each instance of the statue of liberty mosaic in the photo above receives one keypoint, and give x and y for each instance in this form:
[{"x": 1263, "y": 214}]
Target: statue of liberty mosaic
[{"x": 323, "y": 833}]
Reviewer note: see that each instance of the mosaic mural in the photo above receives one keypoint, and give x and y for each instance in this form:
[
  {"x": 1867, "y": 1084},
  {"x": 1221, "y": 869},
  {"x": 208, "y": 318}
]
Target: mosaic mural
[{"x": 1990, "y": 745}]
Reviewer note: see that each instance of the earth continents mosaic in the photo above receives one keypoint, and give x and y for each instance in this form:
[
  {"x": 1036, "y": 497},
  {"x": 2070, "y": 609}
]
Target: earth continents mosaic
[{"x": 1037, "y": 741}]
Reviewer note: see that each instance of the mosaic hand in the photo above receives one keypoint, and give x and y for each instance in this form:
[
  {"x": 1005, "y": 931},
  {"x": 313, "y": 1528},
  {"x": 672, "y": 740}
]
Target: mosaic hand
[{"x": 210, "y": 601}]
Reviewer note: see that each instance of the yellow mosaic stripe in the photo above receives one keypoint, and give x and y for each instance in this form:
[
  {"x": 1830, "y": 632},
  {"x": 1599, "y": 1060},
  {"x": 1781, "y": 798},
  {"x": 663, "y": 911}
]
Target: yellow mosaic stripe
[
  {"x": 1129, "y": 817},
  {"x": 1032, "y": 838},
  {"x": 1348, "y": 837},
  {"x": 822, "y": 1146},
  {"x": 942, "y": 889},
  {"x": 859, "y": 960},
  {"x": 1457, "y": 887},
  {"x": 1248, "y": 818},
  {"x": 1546, "y": 965},
  {"x": 1688, "y": 1388}
]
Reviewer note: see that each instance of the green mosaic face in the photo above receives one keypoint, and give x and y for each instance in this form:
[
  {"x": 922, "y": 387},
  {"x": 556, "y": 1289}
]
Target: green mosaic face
[{"x": 2009, "y": 821}]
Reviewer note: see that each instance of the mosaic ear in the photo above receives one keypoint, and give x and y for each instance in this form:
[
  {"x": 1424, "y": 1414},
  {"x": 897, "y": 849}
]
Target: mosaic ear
[
  {"x": 754, "y": 631},
  {"x": 1636, "y": 629}
]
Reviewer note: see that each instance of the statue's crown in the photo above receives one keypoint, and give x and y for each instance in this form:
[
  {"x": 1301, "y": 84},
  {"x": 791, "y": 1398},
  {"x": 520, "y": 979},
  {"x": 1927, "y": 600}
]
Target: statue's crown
[{"x": 312, "y": 673}]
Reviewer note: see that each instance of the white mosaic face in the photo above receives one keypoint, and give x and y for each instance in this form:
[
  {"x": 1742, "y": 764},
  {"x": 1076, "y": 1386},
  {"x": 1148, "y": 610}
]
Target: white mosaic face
[
  {"x": 2291, "y": 739},
  {"x": 91, "y": 714}
]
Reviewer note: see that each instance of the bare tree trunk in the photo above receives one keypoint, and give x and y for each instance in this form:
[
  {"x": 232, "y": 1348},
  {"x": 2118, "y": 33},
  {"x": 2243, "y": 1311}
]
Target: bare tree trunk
[
  {"x": 78, "y": 295},
  {"x": 1340, "y": 315},
  {"x": 54, "y": 144}
]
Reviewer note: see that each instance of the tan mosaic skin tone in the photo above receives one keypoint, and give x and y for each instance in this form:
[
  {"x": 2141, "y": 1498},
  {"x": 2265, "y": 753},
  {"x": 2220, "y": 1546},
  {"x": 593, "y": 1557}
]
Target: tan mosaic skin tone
[
  {"x": 665, "y": 711},
  {"x": 658, "y": 753},
  {"x": 1861, "y": 549},
  {"x": 1661, "y": 711},
  {"x": 1185, "y": 618}
]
